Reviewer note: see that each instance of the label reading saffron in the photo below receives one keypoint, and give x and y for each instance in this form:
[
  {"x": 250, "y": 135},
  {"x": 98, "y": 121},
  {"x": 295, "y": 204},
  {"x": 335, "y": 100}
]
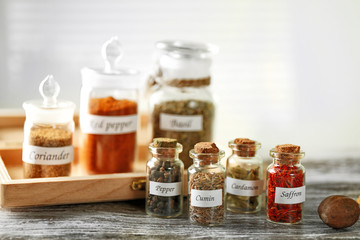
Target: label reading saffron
[
  {"x": 289, "y": 195},
  {"x": 108, "y": 125},
  {"x": 206, "y": 198},
  {"x": 246, "y": 188},
  {"x": 181, "y": 123},
  {"x": 165, "y": 189},
  {"x": 47, "y": 155}
]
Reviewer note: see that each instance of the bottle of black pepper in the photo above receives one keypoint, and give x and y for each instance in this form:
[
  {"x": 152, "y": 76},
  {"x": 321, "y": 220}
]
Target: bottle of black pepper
[{"x": 164, "y": 187}]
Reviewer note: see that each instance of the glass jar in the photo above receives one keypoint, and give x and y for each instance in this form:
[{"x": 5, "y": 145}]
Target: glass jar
[
  {"x": 108, "y": 115},
  {"x": 183, "y": 106},
  {"x": 206, "y": 185},
  {"x": 285, "y": 185},
  {"x": 164, "y": 187},
  {"x": 244, "y": 177},
  {"x": 48, "y": 134}
]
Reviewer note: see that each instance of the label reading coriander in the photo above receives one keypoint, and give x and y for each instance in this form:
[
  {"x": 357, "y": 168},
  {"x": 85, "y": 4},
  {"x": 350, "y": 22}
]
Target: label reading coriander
[
  {"x": 108, "y": 125},
  {"x": 206, "y": 198},
  {"x": 289, "y": 195},
  {"x": 165, "y": 189},
  {"x": 248, "y": 188},
  {"x": 47, "y": 155},
  {"x": 181, "y": 123}
]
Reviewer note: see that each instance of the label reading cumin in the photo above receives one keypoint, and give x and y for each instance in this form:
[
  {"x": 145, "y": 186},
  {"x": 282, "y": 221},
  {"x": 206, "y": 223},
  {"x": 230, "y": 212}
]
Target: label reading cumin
[
  {"x": 165, "y": 189},
  {"x": 47, "y": 155},
  {"x": 181, "y": 123},
  {"x": 246, "y": 188},
  {"x": 95, "y": 124},
  {"x": 206, "y": 198},
  {"x": 289, "y": 195}
]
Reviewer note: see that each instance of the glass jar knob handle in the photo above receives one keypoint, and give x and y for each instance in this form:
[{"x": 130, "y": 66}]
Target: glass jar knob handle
[
  {"x": 49, "y": 90},
  {"x": 111, "y": 52}
]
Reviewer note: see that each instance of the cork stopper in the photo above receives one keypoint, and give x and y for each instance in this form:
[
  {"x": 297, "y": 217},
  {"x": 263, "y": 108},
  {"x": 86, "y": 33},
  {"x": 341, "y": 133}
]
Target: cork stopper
[
  {"x": 244, "y": 147},
  {"x": 287, "y": 148},
  {"x": 164, "y": 142},
  {"x": 287, "y": 154},
  {"x": 207, "y": 152},
  {"x": 243, "y": 141},
  {"x": 165, "y": 148},
  {"x": 206, "y": 147}
]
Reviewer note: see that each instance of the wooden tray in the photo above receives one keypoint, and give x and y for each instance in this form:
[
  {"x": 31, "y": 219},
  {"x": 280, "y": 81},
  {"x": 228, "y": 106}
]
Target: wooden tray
[
  {"x": 19, "y": 192},
  {"x": 15, "y": 191}
]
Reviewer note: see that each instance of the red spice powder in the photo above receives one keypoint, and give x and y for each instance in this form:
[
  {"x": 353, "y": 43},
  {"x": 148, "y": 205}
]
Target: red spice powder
[{"x": 101, "y": 154}]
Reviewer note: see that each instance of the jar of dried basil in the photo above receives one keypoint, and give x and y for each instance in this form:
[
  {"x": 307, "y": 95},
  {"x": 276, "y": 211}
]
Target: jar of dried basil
[
  {"x": 183, "y": 106},
  {"x": 48, "y": 134},
  {"x": 164, "y": 186},
  {"x": 244, "y": 177},
  {"x": 206, "y": 185}
]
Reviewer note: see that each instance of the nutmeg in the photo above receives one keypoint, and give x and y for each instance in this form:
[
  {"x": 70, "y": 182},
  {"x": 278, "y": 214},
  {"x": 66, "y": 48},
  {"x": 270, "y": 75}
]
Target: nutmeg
[{"x": 339, "y": 211}]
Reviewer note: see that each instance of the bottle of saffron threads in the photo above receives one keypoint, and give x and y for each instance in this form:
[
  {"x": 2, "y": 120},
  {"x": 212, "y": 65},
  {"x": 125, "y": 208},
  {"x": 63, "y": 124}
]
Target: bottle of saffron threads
[{"x": 285, "y": 185}]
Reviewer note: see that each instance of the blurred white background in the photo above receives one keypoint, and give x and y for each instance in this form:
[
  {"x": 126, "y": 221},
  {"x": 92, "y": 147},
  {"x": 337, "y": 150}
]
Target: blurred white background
[{"x": 287, "y": 71}]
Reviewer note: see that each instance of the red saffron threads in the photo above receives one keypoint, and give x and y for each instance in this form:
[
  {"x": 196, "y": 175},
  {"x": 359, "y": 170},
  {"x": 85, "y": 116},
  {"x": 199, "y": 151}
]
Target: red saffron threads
[{"x": 284, "y": 176}]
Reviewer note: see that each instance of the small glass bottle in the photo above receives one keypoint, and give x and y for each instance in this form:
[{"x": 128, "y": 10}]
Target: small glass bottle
[
  {"x": 48, "y": 134},
  {"x": 164, "y": 185},
  {"x": 108, "y": 114},
  {"x": 244, "y": 177},
  {"x": 285, "y": 185},
  {"x": 206, "y": 185},
  {"x": 183, "y": 105}
]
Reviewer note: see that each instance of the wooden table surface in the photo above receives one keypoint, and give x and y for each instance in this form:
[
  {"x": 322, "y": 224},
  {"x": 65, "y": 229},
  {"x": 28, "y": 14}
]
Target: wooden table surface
[{"x": 128, "y": 220}]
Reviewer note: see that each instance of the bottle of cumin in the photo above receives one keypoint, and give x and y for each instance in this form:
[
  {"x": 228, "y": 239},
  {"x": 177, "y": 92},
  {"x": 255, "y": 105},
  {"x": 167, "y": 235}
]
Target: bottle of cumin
[
  {"x": 108, "y": 115},
  {"x": 48, "y": 134},
  {"x": 206, "y": 185}
]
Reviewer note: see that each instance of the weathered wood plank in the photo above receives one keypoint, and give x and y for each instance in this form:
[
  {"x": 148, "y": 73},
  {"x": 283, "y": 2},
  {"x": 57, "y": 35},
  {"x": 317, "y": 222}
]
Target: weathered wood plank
[{"x": 128, "y": 220}]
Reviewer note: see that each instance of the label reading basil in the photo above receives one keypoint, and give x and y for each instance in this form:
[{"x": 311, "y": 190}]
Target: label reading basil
[
  {"x": 206, "y": 198},
  {"x": 181, "y": 123},
  {"x": 289, "y": 195},
  {"x": 165, "y": 189},
  {"x": 47, "y": 155},
  {"x": 108, "y": 125},
  {"x": 246, "y": 188}
]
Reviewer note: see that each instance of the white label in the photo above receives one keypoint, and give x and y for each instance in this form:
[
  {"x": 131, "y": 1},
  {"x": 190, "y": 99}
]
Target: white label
[
  {"x": 108, "y": 125},
  {"x": 165, "y": 189},
  {"x": 244, "y": 187},
  {"x": 290, "y": 195},
  {"x": 47, "y": 155},
  {"x": 180, "y": 123},
  {"x": 206, "y": 198}
]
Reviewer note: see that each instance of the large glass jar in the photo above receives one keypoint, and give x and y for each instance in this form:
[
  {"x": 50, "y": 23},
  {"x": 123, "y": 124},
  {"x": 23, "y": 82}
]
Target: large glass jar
[
  {"x": 164, "y": 188},
  {"x": 244, "y": 177},
  {"x": 108, "y": 115},
  {"x": 183, "y": 106},
  {"x": 285, "y": 185},
  {"x": 48, "y": 134},
  {"x": 206, "y": 185}
]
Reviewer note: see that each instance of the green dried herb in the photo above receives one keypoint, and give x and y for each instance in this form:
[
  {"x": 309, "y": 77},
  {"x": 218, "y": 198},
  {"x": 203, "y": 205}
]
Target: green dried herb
[{"x": 186, "y": 108}]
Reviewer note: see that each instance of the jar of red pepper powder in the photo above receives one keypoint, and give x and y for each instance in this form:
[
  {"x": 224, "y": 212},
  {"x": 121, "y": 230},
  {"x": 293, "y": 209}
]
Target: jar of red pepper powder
[{"x": 285, "y": 185}]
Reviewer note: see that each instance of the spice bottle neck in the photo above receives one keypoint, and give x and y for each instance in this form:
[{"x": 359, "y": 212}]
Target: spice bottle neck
[
  {"x": 166, "y": 153},
  {"x": 244, "y": 150},
  {"x": 286, "y": 158}
]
